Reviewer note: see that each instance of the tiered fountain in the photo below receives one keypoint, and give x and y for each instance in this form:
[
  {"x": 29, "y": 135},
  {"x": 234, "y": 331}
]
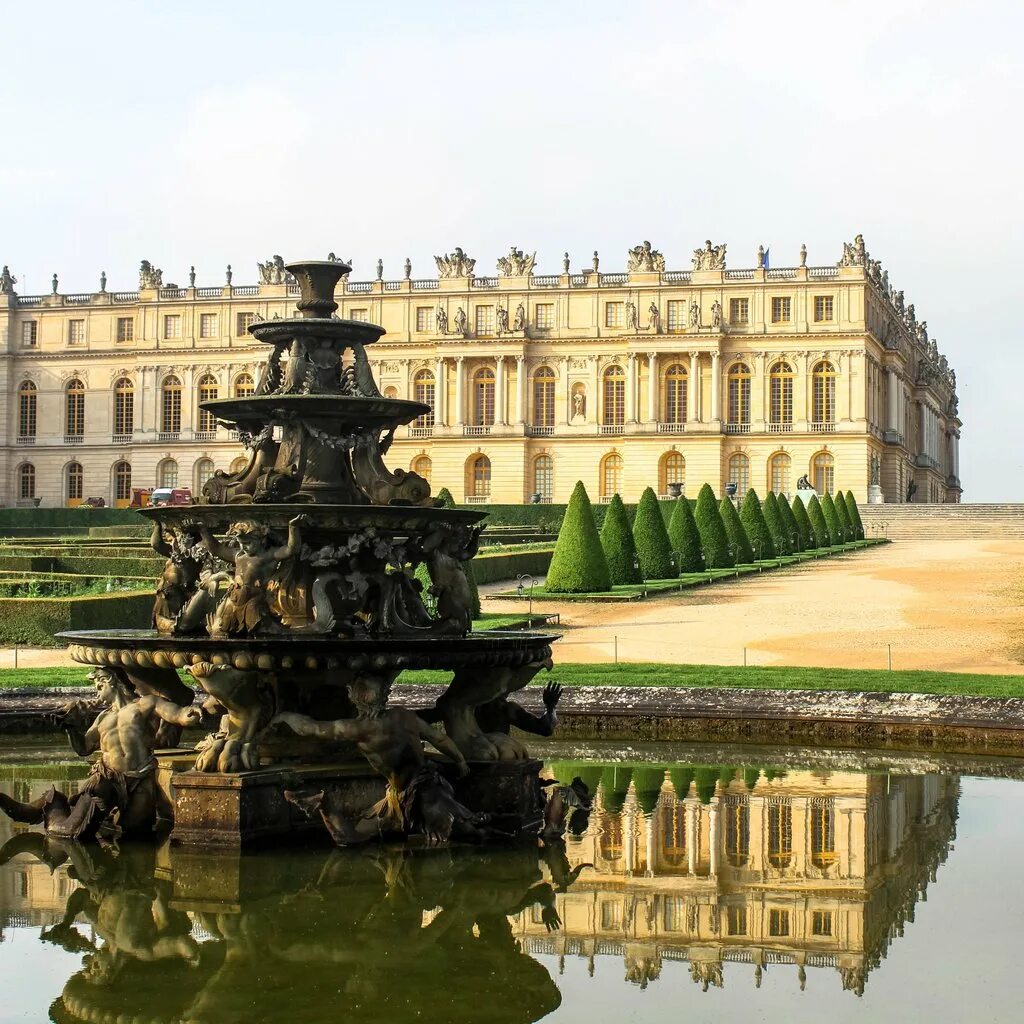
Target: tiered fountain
[{"x": 291, "y": 588}]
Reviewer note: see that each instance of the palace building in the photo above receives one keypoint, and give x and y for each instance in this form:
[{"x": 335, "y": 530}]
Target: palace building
[{"x": 635, "y": 378}]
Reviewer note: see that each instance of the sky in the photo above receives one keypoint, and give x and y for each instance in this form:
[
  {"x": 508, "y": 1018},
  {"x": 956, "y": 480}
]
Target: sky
[{"x": 206, "y": 134}]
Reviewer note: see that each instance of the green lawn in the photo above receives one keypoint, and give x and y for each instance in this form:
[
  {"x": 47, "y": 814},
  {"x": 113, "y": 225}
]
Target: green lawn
[{"x": 652, "y": 674}]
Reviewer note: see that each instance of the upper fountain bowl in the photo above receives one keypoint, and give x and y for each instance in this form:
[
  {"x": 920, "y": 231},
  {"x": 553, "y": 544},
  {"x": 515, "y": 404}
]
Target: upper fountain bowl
[{"x": 317, "y": 280}]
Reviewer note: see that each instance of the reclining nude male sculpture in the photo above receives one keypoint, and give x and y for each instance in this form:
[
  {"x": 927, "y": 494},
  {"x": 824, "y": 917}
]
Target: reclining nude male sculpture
[{"x": 121, "y": 789}]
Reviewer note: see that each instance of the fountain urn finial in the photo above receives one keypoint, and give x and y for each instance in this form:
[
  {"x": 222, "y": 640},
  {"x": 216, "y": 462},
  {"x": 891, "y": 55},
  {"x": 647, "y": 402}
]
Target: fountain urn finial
[{"x": 317, "y": 280}]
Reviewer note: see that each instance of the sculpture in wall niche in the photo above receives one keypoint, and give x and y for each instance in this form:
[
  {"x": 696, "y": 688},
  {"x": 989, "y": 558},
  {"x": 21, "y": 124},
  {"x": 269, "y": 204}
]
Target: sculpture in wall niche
[
  {"x": 121, "y": 792},
  {"x": 445, "y": 549},
  {"x": 694, "y": 314},
  {"x": 654, "y": 318},
  {"x": 579, "y": 403},
  {"x": 632, "y": 317},
  {"x": 461, "y": 322},
  {"x": 516, "y": 263},
  {"x": 441, "y": 320},
  {"x": 455, "y": 264},
  {"x": 7, "y": 281},
  {"x": 643, "y": 259},
  {"x": 150, "y": 276},
  {"x": 711, "y": 257},
  {"x": 273, "y": 272},
  {"x": 186, "y": 592},
  {"x": 876, "y": 470},
  {"x": 854, "y": 254},
  {"x": 519, "y": 324},
  {"x": 502, "y": 316},
  {"x": 716, "y": 314}
]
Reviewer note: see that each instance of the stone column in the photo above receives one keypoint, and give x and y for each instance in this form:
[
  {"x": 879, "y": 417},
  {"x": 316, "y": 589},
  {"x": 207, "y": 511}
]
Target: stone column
[
  {"x": 716, "y": 386},
  {"x": 629, "y": 838},
  {"x": 563, "y": 405},
  {"x": 440, "y": 393},
  {"x": 956, "y": 456},
  {"x": 460, "y": 391},
  {"x": 691, "y": 813},
  {"x": 520, "y": 390},
  {"x": 650, "y": 854},
  {"x": 499, "y": 391},
  {"x": 713, "y": 840},
  {"x": 693, "y": 390},
  {"x": 631, "y": 388},
  {"x": 652, "y": 387}
]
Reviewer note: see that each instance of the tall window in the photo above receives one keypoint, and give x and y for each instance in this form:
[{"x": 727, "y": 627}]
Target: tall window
[
  {"x": 736, "y": 920},
  {"x": 424, "y": 319},
  {"x": 739, "y": 312},
  {"x": 26, "y": 480},
  {"x": 424, "y": 391},
  {"x": 824, "y": 472},
  {"x": 673, "y": 832},
  {"x": 673, "y": 470},
  {"x": 124, "y": 406},
  {"x": 422, "y": 465},
  {"x": 207, "y": 325},
  {"x": 362, "y": 314},
  {"x": 122, "y": 484},
  {"x": 483, "y": 397},
  {"x": 544, "y": 477},
  {"x": 544, "y": 397},
  {"x": 821, "y": 922},
  {"x": 479, "y": 477},
  {"x": 614, "y": 412},
  {"x": 76, "y": 332},
  {"x": 739, "y": 472},
  {"x": 823, "y": 306},
  {"x": 244, "y": 386},
  {"x": 544, "y": 315},
  {"x": 484, "y": 321},
  {"x": 780, "y": 833},
  {"x": 676, "y": 316},
  {"x": 737, "y": 830},
  {"x": 243, "y": 322},
  {"x": 30, "y": 332},
  {"x": 74, "y": 408},
  {"x": 611, "y": 475},
  {"x": 782, "y": 307},
  {"x": 778, "y": 923},
  {"x": 675, "y": 393},
  {"x": 170, "y": 405},
  {"x": 75, "y": 482},
  {"x": 780, "y": 394},
  {"x": 823, "y": 393},
  {"x": 172, "y": 325},
  {"x": 779, "y": 469},
  {"x": 207, "y": 391},
  {"x": 125, "y": 328},
  {"x": 27, "y": 397},
  {"x": 614, "y": 314},
  {"x": 204, "y": 470},
  {"x": 823, "y": 831},
  {"x": 167, "y": 473},
  {"x": 739, "y": 394}
]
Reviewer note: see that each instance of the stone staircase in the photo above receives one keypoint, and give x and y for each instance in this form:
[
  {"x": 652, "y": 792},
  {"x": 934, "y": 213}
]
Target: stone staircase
[{"x": 943, "y": 522}]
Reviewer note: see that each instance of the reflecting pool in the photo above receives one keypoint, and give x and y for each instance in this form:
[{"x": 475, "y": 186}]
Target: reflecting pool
[{"x": 711, "y": 884}]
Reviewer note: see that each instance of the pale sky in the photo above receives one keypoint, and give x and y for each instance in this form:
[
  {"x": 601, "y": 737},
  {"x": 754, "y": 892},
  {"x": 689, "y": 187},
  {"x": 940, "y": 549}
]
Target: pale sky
[{"x": 213, "y": 133}]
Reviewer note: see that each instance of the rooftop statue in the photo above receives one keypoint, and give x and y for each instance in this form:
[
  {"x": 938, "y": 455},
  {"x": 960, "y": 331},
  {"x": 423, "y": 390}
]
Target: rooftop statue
[
  {"x": 854, "y": 254},
  {"x": 456, "y": 264},
  {"x": 516, "y": 264},
  {"x": 150, "y": 276},
  {"x": 273, "y": 272},
  {"x": 643, "y": 259},
  {"x": 711, "y": 257},
  {"x": 7, "y": 282}
]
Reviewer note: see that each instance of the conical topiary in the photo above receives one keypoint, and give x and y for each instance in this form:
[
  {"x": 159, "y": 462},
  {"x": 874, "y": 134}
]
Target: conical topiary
[
  {"x": 685, "y": 538},
  {"x": 714, "y": 540},
  {"x": 789, "y": 522},
  {"x": 681, "y": 777},
  {"x": 821, "y": 535},
  {"x": 846, "y": 527},
  {"x": 854, "y": 513},
  {"x": 615, "y": 780},
  {"x": 776, "y": 527},
  {"x": 578, "y": 564},
  {"x": 738, "y": 538},
  {"x": 706, "y": 778},
  {"x": 752, "y": 518},
  {"x": 647, "y": 783},
  {"x": 444, "y": 499},
  {"x": 803, "y": 524},
  {"x": 651, "y": 538},
  {"x": 828, "y": 510},
  {"x": 617, "y": 542}
]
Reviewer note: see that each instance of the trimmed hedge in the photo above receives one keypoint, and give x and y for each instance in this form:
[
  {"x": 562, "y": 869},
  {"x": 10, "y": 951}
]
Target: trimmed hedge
[
  {"x": 84, "y": 565},
  {"x": 713, "y": 538},
  {"x": 684, "y": 537},
  {"x": 828, "y": 510},
  {"x": 849, "y": 532},
  {"x": 33, "y": 621},
  {"x": 803, "y": 524},
  {"x": 60, "y": 518},
  {"x": 854, "y": 513},
  {"x": 776, "y": 527},
  {"x": 548, "y": 517},
  {"x": 737, "y": 534},
  {"x": 510, "y": 564},
  {"x": 651, "y": 538},
  {"x": 619, "y": 546},
  {"x": 789, "y": 522},
  {"x": 752, "y": 518},
  {"x": 578, "y": 565},
  {"x": 822, "y": 538}
]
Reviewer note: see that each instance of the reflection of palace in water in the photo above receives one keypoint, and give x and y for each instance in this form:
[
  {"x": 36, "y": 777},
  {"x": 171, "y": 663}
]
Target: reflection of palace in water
[{"x": 816, "y": 869}]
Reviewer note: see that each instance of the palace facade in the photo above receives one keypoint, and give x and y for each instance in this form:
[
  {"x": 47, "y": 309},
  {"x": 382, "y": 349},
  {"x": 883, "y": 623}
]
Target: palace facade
[{"x": 622, "y": 380}]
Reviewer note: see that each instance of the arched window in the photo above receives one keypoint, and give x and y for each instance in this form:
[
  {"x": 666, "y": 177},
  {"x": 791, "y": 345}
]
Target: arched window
[
  {"x": 244, "y": 387},
  {"x": 74, "y": 408},
  {"x": 739, "y": 395},
  {"x": 422, "y": 465},
  {"x": 675, "y": 393},
  {"x": 739, "y": 473},
  {"x": 478, "y": 484},
  {"x": 779, "y": 467},
  {"x": 823, "y": 831},
  {"x": 483, "y": 397},
  {"x": 74, "y": 482},
  {"x": 611, "y": 475},
  {"x": 122, "y": 484},
  {"x": 614, "y": 412},
  {"x": 737, "y": 830},
  {"x": 27, "y": 409},
  {"x": 544, "y": 477},
  {"x": 424, "y": 390},
  {"x": 544, "y": 397},
  {"x": 673, "y": 471},
  {"x": 673, "y": 833},
  {"x": 170, "y": 405},
  {"x": 780, "y": 832},
  {"x": 237, "y": 465},
  {"x": 124, "y": 407},
  {"x": 823, "y": 393},
  {"x": 203, "y": 472},
  {"x": 780, "y": 395},
  {"x": 207, "y": 392},
  {"x": 823, "y": 472},
  {"x": 26, "y": 480},
  {"x": 167, "y": 473},
  {"x": 391, "y": 392}
]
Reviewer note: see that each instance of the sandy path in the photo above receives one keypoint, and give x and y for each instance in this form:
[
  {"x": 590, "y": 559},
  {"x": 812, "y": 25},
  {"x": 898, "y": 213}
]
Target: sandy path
[{"x": 944, "y": 605}]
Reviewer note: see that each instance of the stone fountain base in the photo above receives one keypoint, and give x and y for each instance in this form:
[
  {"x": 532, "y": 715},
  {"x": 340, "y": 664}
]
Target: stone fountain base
[{"x": 245, "y": 808}]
